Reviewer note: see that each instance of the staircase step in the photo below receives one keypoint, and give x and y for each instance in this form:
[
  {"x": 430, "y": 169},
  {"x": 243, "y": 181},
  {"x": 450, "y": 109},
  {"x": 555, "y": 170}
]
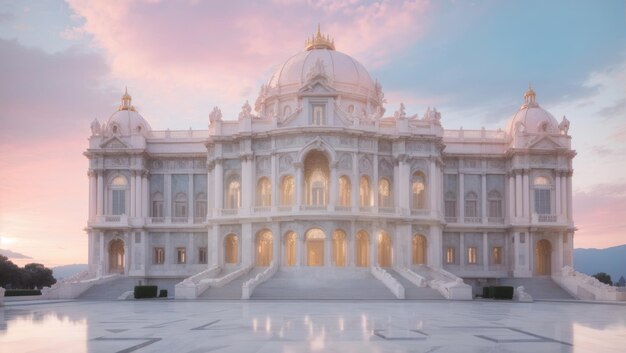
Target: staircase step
[
  {"x": 411, "y": 291},
  {"x": 537, "y": 287}
]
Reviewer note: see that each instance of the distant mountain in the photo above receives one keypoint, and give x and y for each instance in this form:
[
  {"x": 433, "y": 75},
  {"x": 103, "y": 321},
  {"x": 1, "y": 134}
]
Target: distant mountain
[
  {"x": 13, "y": 255},
  {"x": 609, "y": 260},
  {"x": 65, "y": 271}
]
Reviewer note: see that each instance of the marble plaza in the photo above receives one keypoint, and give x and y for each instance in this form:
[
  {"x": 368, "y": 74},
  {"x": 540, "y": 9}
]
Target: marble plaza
[{"x": 313, "y": 326}]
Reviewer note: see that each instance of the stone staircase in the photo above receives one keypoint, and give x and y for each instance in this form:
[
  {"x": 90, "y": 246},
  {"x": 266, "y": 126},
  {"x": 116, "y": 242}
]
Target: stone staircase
[
  {"x": 322, "y": 284},
  {"x": 412, "y": 291},
  {"x": 231, "y": 290},
  {"x": 537, "y": 287},
  {"x": 111, "y": 290}
]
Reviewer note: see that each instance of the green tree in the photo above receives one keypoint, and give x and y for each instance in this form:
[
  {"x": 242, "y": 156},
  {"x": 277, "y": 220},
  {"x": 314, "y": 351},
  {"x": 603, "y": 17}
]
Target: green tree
[
  {"x": 40, "y": 276},
  {"x": 31, "y": 276},
  {"x": 604, "y": 278}
]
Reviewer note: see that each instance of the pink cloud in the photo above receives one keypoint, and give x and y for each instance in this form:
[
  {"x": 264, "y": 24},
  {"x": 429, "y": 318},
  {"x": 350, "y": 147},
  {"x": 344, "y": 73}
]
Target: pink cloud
[
  {"x": 599, "y": 216},
  {"x": 224, "y": 49}
]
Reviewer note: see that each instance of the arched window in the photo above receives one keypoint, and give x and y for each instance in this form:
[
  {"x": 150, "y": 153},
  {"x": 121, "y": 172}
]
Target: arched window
[
  {"x": 418, "y": 191},
  {"x": 495, "y": 204},
  {"x": 471, "y": 204},
  {"x": 319, "y": 115},
  {"x": 339, "y": 248},
  {"x": 362, "y": 250},
  {"x": 542, "y": 191},
  {"x": 200, "y": 205},
  {"x": 287, "y": 191},
  {"x": 290, "y": 249},
  {"x": 315, "y": 247},
  {"x": 180, "y": 205},
  {"x": 231, "y": 249},
  {"x": 344, "y": 191},
  {"x": 419, "y": 249},
  {"x": 264, "y": 248},
  {"x": 118, "y": 187},
  {"x": 365, "y": 191},
  {"x": 316, "y": 171},
  {"x": 264, "y": 192},
  {"x": 385, "y": 193},
  {"x": 157, "y": 205},
  {"x": 233, "y": 197}
]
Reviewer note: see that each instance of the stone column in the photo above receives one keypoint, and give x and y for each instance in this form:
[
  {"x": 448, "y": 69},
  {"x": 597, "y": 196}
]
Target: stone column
[
  {"x": 215, "y": 256},
  {"x": 299, "y": 184},
  {"x": 247, "y": 244},
  {"x": 218, "y": 187},
  {"x": 299, "y": 249},
  {"x": 100, "y": 196},
  {"x": 189, "y": 253},
  {"x": 483, "y": 199},
  {"x": 569, "y": 196},
  {"x": 145, "y": 195},
  {"x": 511, "y": 197},
  {"x": 133, "y": 191},
  {"x": 139, "y": 195},
  {"x": 526, "y": 196},
  {"x": 334, "y": 190},
  {"x": 191, "y": 199},
  {"x": 462, "y": 251},
  {"x": 564, "y": 195},
  {"x": 274, "y": 182},
  {"x": 354, "y": 183},
  {"x": 404, "y": 171},
  {"x": 93, "y": 185},
  {"x": 396, "y": 185},
  {"x": 432, "y": 187},
  {"x": 374, "y": 186},
  {"x": 327, "y": 250},
  {"x": 461, "y": 198},
  {"x": 247, "y": 186},
  {"x": 434, "y": 247},
  {"x": 167, "y": 198},
  {"x": 518, "y": 194},
  {"x": 558, "y": 195},
  {"x": 486, "y": 252},
  {"x": 102, "y": 260}
]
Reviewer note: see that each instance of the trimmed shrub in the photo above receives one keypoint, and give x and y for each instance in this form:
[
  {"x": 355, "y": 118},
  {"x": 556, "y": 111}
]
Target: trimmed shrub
[
  {"x": 502, "y": 292},
  {"x": 21, "y": 292},
  {"x": 486, "y": 292},
  {"x": 145, "y": 292},
  {"x": 163, "y": 293}
]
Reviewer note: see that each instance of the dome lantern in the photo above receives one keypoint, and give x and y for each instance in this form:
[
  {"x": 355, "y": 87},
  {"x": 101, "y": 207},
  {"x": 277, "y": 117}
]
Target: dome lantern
[
  {"x": 319, "y": 41},
  {"x": 126, "y": 101},
  {"x": 530, "y": 96}
]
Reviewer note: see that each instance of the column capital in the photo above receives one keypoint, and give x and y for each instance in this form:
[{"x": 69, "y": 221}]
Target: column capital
[{"x": 92, "y": 173}]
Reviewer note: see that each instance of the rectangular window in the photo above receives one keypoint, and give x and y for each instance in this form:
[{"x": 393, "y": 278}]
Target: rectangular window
[
  {"x": 495, "y": 208},
  {"x": 450, "y": 206},
  {"x": 319, "y": 115},
  {"x": 202, "y": 255},
  {"x": 450, "y": 256},
  {"x": 157, "y": 209},
  {"x": 471, "y": 208},
  {"x": 181, "y": 255},
  {"x": 496, "y": 255},
  {"x": 180, "y": 209},
  {"x": 159, "y": 256},
  {"x": 118, "y": 202},
  {"x": 200, "y": 209},
  {"x": 472, "y": 255},
  {"x": 542, "y": 201}
]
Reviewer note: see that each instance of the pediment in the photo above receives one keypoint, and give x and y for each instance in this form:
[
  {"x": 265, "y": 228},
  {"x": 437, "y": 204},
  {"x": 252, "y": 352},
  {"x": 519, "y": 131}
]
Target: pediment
[
  {"x": 317, "y": 88},
  {"x": 113, "y": 142},
  {"x": 544, "y": 142}
]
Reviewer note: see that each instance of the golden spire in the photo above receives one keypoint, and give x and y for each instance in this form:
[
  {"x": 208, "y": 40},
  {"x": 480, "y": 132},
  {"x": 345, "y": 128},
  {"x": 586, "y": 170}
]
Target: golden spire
[
  {"x": 319, "y": 41},
  {"x": 126, "y": 101}
]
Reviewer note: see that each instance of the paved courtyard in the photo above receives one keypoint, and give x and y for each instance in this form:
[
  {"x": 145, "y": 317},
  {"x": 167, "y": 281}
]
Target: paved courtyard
[{"x": 311, "y": 326}]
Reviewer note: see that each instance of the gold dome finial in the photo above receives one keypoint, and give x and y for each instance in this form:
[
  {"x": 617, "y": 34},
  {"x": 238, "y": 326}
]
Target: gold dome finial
[
  {"x": 319, "y": 41},
  {"x": 126, "y": 101},
  {"x": 529, "y": 96}
]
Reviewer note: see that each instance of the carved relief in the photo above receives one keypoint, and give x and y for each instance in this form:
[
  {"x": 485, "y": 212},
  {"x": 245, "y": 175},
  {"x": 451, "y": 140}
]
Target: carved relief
[
  {"x": 345, "y": 141},
  {"x": 366, "y": 143},
  {"x": 263, "y": 165},
  {"x": 285, "y": 162},
  {"x": 497, "y": 163},
  {"x": 365, "y": 165},
  {"x": 384, "y": 146},
  {"x": 471, "y": 163},
  {"x": 345, "y": 161},
  {"x": 261, "y": 145},
  {"x": 287, "y": 141},
  {"x": 543, "y": 161},
  {"x": 417, "y": 146},
  {"x": 231, "y": 164},
  {"x": 116, "y": 162},
  {"x": 385, "y": 168}
]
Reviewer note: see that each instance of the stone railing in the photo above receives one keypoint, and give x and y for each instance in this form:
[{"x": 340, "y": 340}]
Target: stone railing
[
  {"x": 586, "y": 287},
  {"x": 262, "y": 209},
  {"x": 180, "y": 219},
  {"x": 191, "y": 287},
  {"x": 343, "y": 208},
  {"x": 411, "y": 276},
  {"x": 248, "y": 287},
  {"x": 394, "y": 286},
  {"x": 450, "y": 219},
  {"x": 450, "y": 286},
  {"x": 71, "y": 290},
  {"x": 495, "y": 220},
  {"x": 473, "y": 220},
  {"x": 285, "y": 208},
  {"x": 187, "y": 289},
  {"x": 229, "y": 211}
]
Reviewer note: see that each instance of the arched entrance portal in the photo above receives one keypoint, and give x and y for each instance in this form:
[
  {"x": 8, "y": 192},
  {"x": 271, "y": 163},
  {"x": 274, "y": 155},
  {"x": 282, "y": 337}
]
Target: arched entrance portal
[
  {"x": 231, "y": 249},
  {"x": 384, "y": 250},
  {"x": 315, "y": 247},
  {"x": 264, "y": 248},
  {"x": 543, "y": 263},
  {"x": 419, "y": 250},
  {"x": 362, "y": 251},
  {"x": 116, "y": 256}
]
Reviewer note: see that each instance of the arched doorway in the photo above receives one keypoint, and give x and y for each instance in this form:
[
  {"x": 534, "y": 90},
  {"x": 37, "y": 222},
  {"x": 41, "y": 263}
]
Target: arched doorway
[
  {"x": 290, "y": 249},
  {"x": 384, "y": 250},
  {"x": 543, "y": 263},
  {"x": 315, "y": 247},
  {"x": 339, "y": 248},
  {"x": 116, "y": 256},
  {"x": 316, "y": 176},
  {"x": 419, "y": 250},
  {"x": 231, "y": 249},
  {"x": 362, "y": 250},
  {"x": 264, "y": 248}
]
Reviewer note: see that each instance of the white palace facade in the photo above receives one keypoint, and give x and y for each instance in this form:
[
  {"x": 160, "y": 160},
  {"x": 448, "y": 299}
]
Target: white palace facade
[{"x": 317, "y": 176}]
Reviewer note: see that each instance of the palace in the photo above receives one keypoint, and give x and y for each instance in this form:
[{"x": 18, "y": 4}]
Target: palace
[{"x": 317, "y": 179}]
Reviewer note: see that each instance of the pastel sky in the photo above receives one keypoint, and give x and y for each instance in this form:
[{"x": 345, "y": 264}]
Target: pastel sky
[{"x": 62, "y": 64}]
